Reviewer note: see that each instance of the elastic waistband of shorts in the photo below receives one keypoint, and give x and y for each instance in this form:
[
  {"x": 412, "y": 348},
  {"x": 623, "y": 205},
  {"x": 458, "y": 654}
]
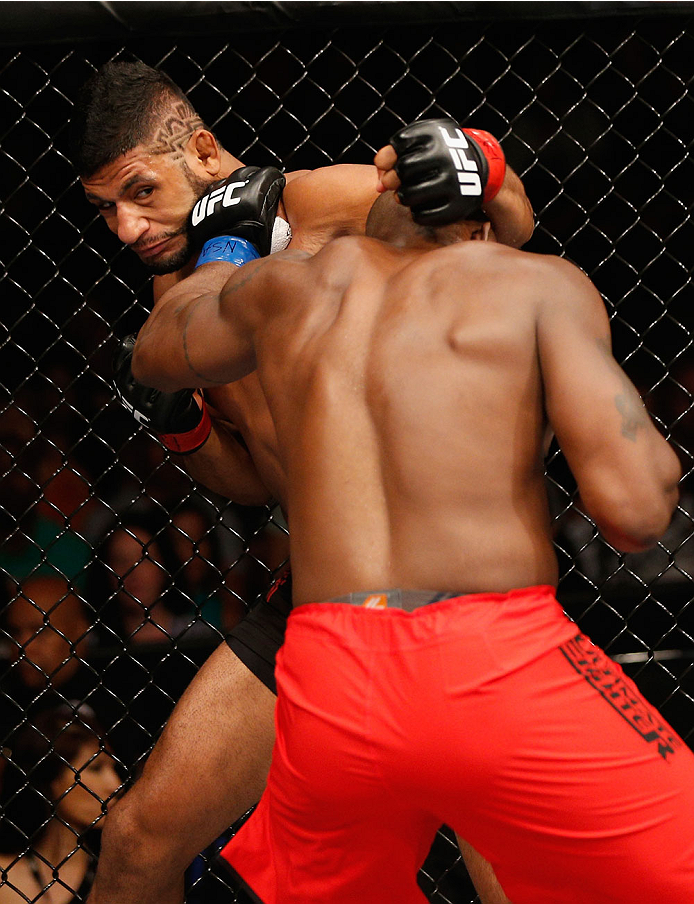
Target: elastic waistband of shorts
[{"x": 408, "y": 600}]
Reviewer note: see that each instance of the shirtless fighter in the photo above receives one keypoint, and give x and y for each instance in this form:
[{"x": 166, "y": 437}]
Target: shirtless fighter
[
  {"x": 144, "y": 157},
  {"x": 428, "y": 673}
]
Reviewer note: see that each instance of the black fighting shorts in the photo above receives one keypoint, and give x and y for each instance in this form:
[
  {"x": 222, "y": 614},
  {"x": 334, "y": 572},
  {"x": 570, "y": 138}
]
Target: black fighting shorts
[{"x": 259, "y": 635}]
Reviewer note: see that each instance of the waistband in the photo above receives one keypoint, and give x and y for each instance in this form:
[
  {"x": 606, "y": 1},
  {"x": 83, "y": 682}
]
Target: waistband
[{"x": 408, "y": 600}]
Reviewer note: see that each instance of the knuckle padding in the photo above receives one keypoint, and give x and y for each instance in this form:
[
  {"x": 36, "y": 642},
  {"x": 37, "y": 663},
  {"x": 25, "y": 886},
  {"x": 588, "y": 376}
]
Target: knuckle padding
[
  {"x": 443, "y": 171},
  {"x": 165, "y": 412},
  {"x": 250, "y": 213},
  {"x": 430, "y": 215},
  {"x": 429, "y": 191}
]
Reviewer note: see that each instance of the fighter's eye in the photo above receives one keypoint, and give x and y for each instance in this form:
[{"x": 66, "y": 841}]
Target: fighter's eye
[{"x": 144, "y": 192}]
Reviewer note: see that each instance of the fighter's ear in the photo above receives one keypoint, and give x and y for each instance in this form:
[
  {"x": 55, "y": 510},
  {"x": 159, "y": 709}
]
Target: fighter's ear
[
  {"x": 481, "y": 232},
  {"x": 204, "y": 153}
]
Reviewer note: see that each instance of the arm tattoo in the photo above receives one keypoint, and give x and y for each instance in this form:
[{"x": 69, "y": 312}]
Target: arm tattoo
[
  {"x": 633, "y": 413},
  {"x": 244, "y": 280},
  {"x": 237, "y": 284},
  {"x": 628, "y": 402}
]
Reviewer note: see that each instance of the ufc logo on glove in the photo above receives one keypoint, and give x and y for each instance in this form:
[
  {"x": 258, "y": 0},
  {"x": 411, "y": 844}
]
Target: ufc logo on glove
[
  {"x": 206, "y": 205},
  {"x": 437, "y": 192},
  {"x": 468, "y": 171},
  {"x": 138, "y": 415}
]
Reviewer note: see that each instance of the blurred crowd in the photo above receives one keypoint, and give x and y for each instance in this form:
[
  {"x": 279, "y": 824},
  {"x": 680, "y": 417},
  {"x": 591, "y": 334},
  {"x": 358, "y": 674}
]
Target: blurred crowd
[{"x": 118, "y": 575}]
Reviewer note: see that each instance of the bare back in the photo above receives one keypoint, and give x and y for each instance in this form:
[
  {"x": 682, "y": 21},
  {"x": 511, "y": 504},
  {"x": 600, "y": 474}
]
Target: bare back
[
  {"x": 409, "y": 392},
  {"x": 406, "y": 393}
]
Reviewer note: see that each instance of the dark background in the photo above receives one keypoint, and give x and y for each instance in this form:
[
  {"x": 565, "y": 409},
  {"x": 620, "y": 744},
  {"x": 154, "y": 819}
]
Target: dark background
[{"x": 592, "y": 104}]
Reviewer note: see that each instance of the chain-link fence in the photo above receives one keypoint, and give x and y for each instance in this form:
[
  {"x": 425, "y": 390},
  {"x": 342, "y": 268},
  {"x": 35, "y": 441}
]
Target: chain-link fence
[{"x": 98, "y": 524}]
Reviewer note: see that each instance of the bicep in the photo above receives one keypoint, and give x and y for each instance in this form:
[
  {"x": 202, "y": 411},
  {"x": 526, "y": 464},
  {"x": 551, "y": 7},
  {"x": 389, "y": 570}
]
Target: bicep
[
  {"x": 591, "y": 403},
  {"x": 626, "y": 472},
  {"x": 332, "y": 200},
  {"x": 190, "y": 339}
]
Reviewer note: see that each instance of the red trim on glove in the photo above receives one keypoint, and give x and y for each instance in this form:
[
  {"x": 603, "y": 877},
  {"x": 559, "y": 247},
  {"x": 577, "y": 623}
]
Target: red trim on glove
[
  {"x": 184, "y": 443},
  {"x": 491, "y": 149}
]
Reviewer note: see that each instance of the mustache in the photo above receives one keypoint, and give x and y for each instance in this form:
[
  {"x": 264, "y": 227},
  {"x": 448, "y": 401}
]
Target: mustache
[{"x": 162, "y": 237}]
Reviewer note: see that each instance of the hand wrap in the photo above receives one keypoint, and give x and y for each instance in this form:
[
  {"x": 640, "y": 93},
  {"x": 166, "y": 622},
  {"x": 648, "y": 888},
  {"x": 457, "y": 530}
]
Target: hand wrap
[
  {"x": 446, "y": 173},
  {"x": 181, "y": 423}
]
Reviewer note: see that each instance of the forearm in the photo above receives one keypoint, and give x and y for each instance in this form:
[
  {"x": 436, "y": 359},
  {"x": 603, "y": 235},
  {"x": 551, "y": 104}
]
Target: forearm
[
  {"x": 510, "y": 212},
  {"x": 423, "y": 164},
  {"x": 633, "y": 504},
  {"x": 188, "y": 341},
  {"x": 224, "y": 466},
  {"x": 166, "y": 351}
]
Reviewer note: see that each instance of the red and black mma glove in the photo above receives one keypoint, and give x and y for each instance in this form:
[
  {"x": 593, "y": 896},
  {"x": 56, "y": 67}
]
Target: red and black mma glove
[
  {"x": 234, "y": 219},
  {"x": 181, "y": 423},
  {"x": 447, "y": 173}
]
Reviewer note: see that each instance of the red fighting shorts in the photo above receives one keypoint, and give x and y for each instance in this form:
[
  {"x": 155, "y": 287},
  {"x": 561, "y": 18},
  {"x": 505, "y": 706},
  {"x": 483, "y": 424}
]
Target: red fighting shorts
[{"x": 489, "y": 713}]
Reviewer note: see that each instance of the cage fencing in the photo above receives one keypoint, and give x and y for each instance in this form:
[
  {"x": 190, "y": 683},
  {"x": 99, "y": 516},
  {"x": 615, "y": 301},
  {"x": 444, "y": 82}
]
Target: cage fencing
[{"x": 595, "y": 113}]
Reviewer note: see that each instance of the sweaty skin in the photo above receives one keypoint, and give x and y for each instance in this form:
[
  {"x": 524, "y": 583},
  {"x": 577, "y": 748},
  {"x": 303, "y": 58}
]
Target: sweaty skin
[
  {"x": 309, "y": 200},
  {"x": 411, "y": 388},
  {"x": 145, "y": 198},
  {"x": 517, "y": 340}
]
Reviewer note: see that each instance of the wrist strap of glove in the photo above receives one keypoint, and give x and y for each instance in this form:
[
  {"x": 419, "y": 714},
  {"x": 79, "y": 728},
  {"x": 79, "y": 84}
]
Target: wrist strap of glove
[
  {"x": 228, "y": 248},
  {"x": 494, "y": 156},
  {"x": 185, "y": 443}
]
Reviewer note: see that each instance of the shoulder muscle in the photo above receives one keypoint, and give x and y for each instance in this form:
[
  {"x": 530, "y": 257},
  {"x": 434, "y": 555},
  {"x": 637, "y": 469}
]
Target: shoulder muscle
[{"x": 328, "y": 202}]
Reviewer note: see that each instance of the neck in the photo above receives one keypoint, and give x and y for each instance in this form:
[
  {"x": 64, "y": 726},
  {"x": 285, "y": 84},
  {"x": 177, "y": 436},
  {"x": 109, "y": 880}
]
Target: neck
[
  {"x": 59, "y": 843},
  {"x": 229, "y": 164}
]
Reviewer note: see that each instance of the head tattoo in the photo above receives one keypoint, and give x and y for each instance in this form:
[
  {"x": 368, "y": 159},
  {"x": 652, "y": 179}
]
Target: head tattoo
[{"x": 174, "y": 130}]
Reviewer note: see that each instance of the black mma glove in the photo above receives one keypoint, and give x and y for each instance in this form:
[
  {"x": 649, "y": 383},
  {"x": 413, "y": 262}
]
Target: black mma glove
[
  {"x": 447, "y": 173},
  {"x": 177, "y": 419},
  {"x": 233, "y": 221}
]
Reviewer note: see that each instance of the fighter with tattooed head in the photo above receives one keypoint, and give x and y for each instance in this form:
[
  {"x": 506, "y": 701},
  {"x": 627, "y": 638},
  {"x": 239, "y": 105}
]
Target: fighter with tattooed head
[{"x": 164, "y": 183}]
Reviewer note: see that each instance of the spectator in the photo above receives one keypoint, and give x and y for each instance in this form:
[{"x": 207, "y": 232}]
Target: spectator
[
  {"x": 200, "y": 569},
  {"x": 49, "y": 636},
  {"x": 133, "y": 585},
  {"x": 143, "y": 624},
  {"x": 48, "y": 633},
  {"x": 58, "y": 786},
  {"x": 38, "y": 538}
]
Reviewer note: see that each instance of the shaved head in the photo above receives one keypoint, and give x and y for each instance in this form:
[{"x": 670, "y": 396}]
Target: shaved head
[{"x": 128, "y": 105}]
